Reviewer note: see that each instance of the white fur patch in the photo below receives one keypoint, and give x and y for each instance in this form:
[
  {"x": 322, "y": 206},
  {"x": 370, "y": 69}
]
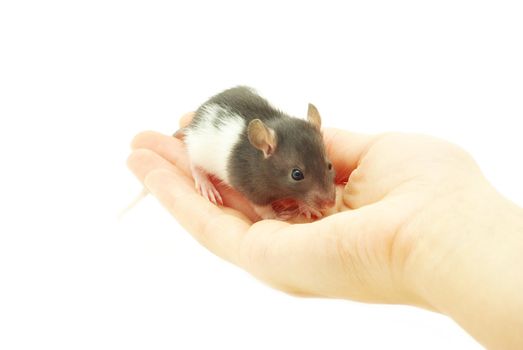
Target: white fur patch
[{"x": 209, "y": 146}]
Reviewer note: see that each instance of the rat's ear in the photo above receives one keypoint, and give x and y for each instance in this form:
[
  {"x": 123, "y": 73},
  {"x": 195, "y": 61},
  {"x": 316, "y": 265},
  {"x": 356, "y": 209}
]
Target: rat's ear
[
  {"x": 262, "y": 137},
  {"x": 313, "y": 116}
]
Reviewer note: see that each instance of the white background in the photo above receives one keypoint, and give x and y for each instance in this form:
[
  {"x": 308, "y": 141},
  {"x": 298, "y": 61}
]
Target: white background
[{"x": 79, "y": 79}]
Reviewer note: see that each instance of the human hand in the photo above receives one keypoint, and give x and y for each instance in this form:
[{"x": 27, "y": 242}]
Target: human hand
[
  {"x": 357, "y": 253},
  {"x": 394, "y": 235}
]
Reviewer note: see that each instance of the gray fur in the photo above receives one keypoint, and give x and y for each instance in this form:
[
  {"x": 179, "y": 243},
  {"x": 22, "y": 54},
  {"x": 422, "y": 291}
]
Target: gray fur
[{"x": 299, "y": 145}]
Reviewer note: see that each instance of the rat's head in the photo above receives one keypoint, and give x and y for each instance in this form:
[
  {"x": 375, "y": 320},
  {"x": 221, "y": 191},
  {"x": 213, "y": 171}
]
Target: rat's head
[{"x": 294, "y": 159}]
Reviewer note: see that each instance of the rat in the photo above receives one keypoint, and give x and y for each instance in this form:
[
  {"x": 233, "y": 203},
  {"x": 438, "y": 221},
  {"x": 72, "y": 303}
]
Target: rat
[{"x": 278, "y": 162}]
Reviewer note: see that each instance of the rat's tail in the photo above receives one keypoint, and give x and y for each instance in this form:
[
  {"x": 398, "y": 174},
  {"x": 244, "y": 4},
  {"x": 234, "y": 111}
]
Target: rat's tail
[
  {"x": 131, "y": 205},
  {"x": 179, "y": 134}
]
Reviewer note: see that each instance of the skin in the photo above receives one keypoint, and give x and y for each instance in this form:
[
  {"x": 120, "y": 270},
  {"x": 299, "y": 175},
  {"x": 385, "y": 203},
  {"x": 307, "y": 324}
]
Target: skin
[{"x": 417, "y": 224}]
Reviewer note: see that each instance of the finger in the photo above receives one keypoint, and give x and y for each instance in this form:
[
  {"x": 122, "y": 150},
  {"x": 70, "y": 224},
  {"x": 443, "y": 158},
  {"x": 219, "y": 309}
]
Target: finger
[
  {"x": 345, "y": 150},
  {"x": 165, "y": 146},
  {"x": 219, "y": 229},
  {"x": 142, "y": 161},
  {"x": 186, "y": 119}
]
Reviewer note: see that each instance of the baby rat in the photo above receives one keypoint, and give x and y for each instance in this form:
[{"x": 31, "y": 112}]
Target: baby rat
[{"x": 277, "y": 161}]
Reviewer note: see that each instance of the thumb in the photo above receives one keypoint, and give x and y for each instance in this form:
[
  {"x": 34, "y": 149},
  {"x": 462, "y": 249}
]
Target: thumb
[{"x": 345, "y": 150}]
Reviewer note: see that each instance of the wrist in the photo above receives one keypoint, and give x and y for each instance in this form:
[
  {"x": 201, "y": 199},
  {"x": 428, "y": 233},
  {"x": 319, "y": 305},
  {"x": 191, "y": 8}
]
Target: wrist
[{"x": 470, "y": 264}]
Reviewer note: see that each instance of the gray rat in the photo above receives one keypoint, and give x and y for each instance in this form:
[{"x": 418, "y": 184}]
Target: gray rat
[{"x": 277, "y": 161}]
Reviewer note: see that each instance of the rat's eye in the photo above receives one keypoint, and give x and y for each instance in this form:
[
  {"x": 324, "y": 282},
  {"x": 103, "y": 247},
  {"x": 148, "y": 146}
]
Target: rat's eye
[
  {"x": 296, "y": 174},
  {"x": 329, "y": 165}
]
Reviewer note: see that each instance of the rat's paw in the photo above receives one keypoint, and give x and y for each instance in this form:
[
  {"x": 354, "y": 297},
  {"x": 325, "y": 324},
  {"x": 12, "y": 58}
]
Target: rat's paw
[
  {"x": 286, "y": 215},
  {"x": 205, "y": 187},
  {"x": 310, "y": 212},
  {"x": 268, "y": 213},
  {"x": 210, "y": 192},
  {"x": 290, "y": 210}
]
